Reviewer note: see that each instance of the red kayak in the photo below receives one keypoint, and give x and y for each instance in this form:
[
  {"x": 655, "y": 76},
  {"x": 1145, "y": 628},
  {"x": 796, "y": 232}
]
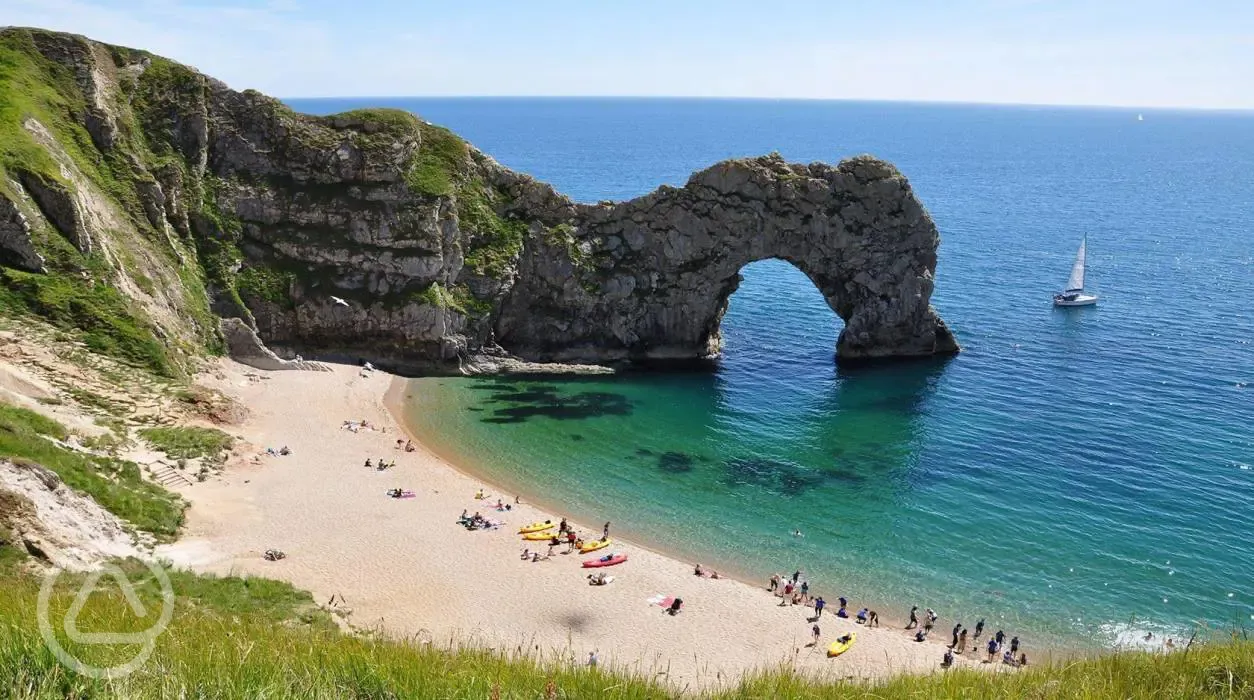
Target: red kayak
[{"x": 608, "y": 560}]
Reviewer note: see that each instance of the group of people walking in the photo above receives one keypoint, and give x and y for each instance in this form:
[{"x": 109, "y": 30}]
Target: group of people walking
[{"x": 958, "y": 643}]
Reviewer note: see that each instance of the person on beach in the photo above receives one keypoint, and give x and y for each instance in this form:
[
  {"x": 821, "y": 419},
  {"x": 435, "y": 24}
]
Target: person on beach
[
  {"x": 805, "y": 590},
  {"x": 1023, "y": 660},
  {"x": 819, "y": 603},
  {"x": 842, "y": 612},
  {"x": 962, "y": 640},
  {"x": 992, "y": 649},
  {"x": 979, "y": 630},
  {"x": 873, "y": 620},
  {"x": 773, "y": 585},
  {"x": 844, "y": 603},
  {"x": 409, "y": 445},
  {"x": 526, "y": 553},
  {"x": 1009, "y": 659},
  {"x": 605, "y": 531},
  {"x": 1014, "y": 645},
  {"x": 948, "y": 659},
  {"x": 1000, "y": 637},
  {"x": 796, "y": 575},
  {"x": 862, "y": 616},
  {"x": 699, "y": 571},
  {"x": 954, "y": 643},
  {"x": 479, "y": 495},
  {"x": 571, "y": 539},
  {"x": 815, "y": 631},
  {"x": 561, "y": 527},
  {"x": 592, "y": 659},
  {"x": 787, "y": 589},
  {"x": 368, "y": 464},
  {"x": 552, "y": 543},
  {"x": 914, "y": 618},
  {"x": 931, "y": 621},
  {"x": 920, "y": 636}
]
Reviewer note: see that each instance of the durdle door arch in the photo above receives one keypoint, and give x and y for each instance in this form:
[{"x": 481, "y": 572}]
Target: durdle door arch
[{"x": 658, "y": 270}]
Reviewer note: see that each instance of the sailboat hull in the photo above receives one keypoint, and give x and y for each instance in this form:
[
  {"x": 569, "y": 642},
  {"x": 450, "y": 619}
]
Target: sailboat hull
[{"x": 1076, "y": 300}]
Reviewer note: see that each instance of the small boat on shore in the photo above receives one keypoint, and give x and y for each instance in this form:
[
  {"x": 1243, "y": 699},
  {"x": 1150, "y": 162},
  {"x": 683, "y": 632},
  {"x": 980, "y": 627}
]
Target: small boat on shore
[
  {"x": 607, "y": 560},
  {"x": 1074, "y": 294},
  {"x": 594, "y": 545},
  {"x": 537, "y": 527},
  {"x": 841, "y": 645},
  {"x": 539, "y": 535}
]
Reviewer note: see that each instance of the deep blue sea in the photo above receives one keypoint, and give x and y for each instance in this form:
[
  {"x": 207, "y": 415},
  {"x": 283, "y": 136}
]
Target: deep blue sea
[{"x": 1076, "y": 476}]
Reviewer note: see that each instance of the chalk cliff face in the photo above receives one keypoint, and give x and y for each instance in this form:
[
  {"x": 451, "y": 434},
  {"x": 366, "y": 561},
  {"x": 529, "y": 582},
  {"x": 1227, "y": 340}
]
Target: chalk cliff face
[{"x": 374, "y": 235}]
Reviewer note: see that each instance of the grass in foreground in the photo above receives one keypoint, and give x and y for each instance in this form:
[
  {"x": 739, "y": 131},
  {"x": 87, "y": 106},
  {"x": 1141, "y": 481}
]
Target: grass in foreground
[
  {"x": 185, "y": 442},
  {"x": 233, "y": 637},
  {"x": 116, "y": 485}
]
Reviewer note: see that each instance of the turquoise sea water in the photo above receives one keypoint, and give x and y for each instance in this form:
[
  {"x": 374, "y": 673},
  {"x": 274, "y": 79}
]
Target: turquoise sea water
[{"x": 1077, "y": 476}]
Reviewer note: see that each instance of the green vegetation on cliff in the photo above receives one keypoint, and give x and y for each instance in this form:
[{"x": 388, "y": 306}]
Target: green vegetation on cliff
[
  {"x": 102, "y": 315},
  {"x": 44, "y": 142},
  {"x": 233, "y": 637},
  {"x": 187, "y": 442},
  {"x": 267, "y": 283},
  {"x": 444, "y": 167},
  {"x": 442, "y": 160},
  {"x": 116, "y": 485}
]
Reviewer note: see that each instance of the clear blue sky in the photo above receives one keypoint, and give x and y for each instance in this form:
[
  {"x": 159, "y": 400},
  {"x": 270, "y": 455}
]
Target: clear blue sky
[{"x": 1197, "y": 53}]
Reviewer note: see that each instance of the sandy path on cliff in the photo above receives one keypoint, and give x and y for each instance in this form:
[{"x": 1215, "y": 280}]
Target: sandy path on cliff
[{"x": 406, "y": 567}]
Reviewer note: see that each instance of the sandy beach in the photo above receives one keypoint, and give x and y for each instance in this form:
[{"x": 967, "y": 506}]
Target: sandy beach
[{"x": 405, "y": 567}]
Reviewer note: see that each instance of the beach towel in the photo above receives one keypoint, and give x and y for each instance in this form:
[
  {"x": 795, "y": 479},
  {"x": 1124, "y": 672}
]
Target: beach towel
[{"x": 662, "y": 600}]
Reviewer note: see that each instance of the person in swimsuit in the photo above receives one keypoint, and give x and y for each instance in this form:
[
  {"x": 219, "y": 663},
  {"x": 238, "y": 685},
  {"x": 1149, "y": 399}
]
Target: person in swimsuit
[
  {"x": 815, "y": 631},
  {"x": 914, "y": 618}
]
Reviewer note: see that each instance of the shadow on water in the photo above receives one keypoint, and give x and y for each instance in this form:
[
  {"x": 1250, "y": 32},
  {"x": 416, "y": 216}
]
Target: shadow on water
[
  {"x": 512, "y": 401},
  {"x": 675, "y": 462},
  {"x": 875, "y": 432},
  {"x": 773, "y": 475}
]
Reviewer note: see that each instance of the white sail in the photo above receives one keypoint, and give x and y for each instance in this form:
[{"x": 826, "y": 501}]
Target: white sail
[{"x": 1076, "y": 282}]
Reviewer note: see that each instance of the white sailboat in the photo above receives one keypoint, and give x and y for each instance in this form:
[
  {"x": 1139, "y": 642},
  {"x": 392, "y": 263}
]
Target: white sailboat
[{"x": 1074, "y": 294}]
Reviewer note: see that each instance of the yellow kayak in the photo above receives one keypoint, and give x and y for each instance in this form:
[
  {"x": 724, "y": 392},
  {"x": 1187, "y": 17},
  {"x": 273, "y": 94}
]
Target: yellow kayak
[
  {"x": 542, "y": 535},
  {"x": 537, "y": 527},
  {"x": 594, "y": 545},
  {"x": 838, "y": 647}
]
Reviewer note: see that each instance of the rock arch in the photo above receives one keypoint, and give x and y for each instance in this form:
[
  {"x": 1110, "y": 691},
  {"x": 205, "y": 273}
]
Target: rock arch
[{"x": 649, "y": 279}]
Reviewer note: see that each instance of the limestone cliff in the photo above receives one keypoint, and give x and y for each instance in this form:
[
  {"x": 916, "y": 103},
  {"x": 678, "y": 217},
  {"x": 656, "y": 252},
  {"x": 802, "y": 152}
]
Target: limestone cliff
[{"x": 161, "y": 193}]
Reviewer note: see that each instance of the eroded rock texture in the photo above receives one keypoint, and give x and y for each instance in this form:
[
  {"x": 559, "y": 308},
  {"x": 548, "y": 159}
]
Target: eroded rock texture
[
  {"x": 651, "y": 277},
  {"x": 374, "y": 235}
]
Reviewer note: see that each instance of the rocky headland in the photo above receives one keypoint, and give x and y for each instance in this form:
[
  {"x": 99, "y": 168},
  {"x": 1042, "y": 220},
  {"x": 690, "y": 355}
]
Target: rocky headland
[{"x": 374, "y": 235}]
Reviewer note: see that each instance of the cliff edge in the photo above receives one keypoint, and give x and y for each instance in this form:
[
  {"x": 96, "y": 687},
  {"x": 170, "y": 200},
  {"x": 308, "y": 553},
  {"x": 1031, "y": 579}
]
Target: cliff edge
[{"x": 140, "y": 193}]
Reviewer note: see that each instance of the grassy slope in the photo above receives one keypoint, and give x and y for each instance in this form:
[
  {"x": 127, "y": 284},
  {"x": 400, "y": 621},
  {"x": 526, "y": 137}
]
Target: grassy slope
[
  {"x": 187, "y": 442},
  {"x": 116, "y": 485},
  {"x": 253, "y": 638},
  {"x": 78, "y": 293}
]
